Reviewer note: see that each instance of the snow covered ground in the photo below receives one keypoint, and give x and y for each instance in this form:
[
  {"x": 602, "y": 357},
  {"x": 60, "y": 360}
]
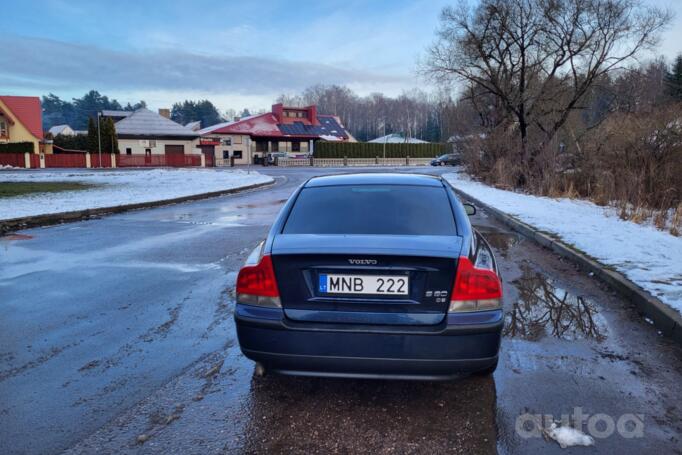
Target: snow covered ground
[
  {"x": 645, "y": 255},
  {"x": 118, "y": 187}
]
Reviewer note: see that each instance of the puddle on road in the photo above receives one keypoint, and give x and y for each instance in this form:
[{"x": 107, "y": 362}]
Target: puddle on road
[
  {"x": 501, "y": 241},
  {"x": 233, "y": 220},
  {"x": 253, "y": 206},
  {"x": 544, "y": 309}
]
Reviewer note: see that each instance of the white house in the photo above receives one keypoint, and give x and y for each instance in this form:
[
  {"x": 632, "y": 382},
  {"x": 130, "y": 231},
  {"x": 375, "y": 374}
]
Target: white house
[
  {"x": 397, "y": 138},
  {"x": 146, "y": 132},
  {"x": 194, "y": 126},
  {"x": 64, "y": 130}
]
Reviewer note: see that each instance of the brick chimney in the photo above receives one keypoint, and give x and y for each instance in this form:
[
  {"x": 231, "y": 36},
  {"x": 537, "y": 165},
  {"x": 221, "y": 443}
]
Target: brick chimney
[
  {"x": 278, "y": 111},
  {"x": 312, "y": 114},
  {"x": 164, "y": 112}
]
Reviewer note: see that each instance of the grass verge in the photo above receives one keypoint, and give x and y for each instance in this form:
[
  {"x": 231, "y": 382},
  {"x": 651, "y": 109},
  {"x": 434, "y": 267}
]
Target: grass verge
[{"x": 13, "y": 189}]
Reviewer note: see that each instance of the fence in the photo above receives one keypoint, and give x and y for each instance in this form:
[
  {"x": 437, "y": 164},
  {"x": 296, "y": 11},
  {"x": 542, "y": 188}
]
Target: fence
[
  {"x": 105, "y": 160},
  {"x": 65, "y": 160},
  {"x": 158, "y": 160},
  {"x": 96, "y": 157},
  {"x": 12, "y": 159},
  {"x": 352, "y": 162}
]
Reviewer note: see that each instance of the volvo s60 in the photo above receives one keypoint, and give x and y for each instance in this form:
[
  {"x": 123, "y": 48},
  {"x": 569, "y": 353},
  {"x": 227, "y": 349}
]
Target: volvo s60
[{"x": 371, "y": 275}]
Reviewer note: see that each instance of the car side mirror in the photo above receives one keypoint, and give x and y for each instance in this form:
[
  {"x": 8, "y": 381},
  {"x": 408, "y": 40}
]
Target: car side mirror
[{"x": 470, "y": 209}]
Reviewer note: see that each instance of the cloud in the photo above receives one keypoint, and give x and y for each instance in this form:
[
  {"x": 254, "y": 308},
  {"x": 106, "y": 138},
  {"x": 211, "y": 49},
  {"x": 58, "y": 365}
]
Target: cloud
[{"x": 51, "y": 64}]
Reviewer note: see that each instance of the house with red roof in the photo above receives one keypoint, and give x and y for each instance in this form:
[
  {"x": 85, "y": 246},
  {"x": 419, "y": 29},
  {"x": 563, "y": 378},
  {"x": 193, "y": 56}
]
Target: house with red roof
[
  {"x": 287, "y": 131},
  {"x": 21, "y": 120}
]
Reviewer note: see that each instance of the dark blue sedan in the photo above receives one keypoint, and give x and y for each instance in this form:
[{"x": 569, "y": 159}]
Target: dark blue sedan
[{"x": 371, "y": 275}]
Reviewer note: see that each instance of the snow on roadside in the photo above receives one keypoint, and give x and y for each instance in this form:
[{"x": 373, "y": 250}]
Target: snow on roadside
[
  {"x": 645, "y": 255},
  {"x": 118, "y": 187}
]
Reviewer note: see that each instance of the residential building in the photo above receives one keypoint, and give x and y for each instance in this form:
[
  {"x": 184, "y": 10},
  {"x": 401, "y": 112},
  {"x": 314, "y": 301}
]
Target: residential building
[
  {"x": 63, "y": 130},
  {"x": 397, "y": 138},
  {"x": 194, "y": 126},
  {"x": 21, "y": 121},
  {"x": 146, "y": 132},
  {"x": 290, "y": 130}
]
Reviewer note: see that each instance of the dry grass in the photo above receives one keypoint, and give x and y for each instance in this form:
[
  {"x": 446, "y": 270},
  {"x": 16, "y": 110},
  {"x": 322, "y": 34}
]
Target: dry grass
[{"x": 631, "y": 161}]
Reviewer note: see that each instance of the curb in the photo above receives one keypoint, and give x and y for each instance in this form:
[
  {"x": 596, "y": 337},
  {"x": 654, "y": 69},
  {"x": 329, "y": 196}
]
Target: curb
[
  {"x": 14, "y": 224},
  {"x": 666, "y": 319}
]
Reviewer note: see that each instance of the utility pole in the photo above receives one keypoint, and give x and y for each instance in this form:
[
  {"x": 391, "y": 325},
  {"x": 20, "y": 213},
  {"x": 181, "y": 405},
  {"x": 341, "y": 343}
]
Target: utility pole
[
  {"x": 385, "y": 138},
  {"x": 249, "y": 154},
  {"x": 99, "y": 139}
]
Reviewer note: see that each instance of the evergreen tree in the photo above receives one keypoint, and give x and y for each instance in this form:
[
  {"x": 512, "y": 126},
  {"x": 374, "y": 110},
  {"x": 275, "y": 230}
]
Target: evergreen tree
[
  {"x": 191, "y": 111},
  {"x": 111, "y": 135},
  {"x": 674, "y": 79},
  {"x": 136, "y": 106},
  {"x": 93, "y": 143}
]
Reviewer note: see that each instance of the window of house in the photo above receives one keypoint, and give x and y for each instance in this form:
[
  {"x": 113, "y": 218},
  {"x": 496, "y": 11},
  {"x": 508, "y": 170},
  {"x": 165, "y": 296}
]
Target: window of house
[
  {"x": 262, "y": 146},
  {"x": 226, "y": 154},
  {"x": 237, "y": 154},
  {"x": 3, "y": 128},
  {"x": 129, "y": 151},
  {"x": 237, "y": 139},
  {"x": 275, "y": 146},
  {"x": 227, "y": 140},
  {"x": 295, "y": 146}
]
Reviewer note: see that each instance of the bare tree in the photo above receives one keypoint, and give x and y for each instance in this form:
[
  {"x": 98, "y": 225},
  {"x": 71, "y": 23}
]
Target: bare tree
[{"x": 539, "y": 58}]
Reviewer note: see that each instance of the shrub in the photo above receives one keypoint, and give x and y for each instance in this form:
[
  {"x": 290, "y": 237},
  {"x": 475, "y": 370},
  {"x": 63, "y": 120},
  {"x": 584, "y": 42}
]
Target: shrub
[
  {"x": 372, "y": 150},
  {"x": 78, "y": 142},
  {"x": 17, "y": 147},
  {"x": 631, "y": 161}
]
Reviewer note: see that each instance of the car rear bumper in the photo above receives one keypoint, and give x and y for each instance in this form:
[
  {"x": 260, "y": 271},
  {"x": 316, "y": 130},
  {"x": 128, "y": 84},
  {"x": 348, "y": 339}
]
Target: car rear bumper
[{"x": 464, "y": 343}]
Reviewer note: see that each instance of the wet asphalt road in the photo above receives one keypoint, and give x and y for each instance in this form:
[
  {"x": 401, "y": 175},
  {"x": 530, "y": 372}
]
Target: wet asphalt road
[{"x": 116, "y": 337}]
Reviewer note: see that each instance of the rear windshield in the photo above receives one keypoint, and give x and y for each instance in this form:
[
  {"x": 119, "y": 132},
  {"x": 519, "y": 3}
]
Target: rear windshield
[{"x": 372, "y": 209}]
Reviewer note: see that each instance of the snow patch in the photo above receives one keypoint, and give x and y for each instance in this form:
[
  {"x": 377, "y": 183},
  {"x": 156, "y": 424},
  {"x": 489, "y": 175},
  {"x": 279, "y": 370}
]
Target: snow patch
[
  {"x": 647, "y": 256},
  {"x": 118, "y": 187},
  {"x": 569, "y": 437}
]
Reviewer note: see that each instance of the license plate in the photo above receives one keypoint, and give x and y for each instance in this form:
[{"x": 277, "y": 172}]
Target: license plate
[{"x": 364, "y": 284}]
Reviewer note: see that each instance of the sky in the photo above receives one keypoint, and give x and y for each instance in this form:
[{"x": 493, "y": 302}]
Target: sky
[{"x": 235, "y": 53}]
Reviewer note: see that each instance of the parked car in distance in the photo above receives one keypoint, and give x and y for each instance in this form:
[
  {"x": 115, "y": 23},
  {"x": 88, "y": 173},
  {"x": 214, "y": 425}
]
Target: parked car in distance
[
  {"x": 371, "y": 275},
  {"x": 451, "y": 159},
  {"x": 272, "y": 156}
]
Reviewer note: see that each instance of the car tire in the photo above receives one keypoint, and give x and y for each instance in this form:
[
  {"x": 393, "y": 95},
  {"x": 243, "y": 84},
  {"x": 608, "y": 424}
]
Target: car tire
[{"x": 488, "y": 370}]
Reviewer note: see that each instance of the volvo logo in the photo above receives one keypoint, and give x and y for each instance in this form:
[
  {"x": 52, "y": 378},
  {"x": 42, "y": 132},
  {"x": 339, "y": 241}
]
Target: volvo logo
[{"x": 363, "y": 261}]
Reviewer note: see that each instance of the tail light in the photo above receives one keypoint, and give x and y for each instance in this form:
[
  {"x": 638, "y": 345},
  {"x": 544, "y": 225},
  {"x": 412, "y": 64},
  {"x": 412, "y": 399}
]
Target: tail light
[
  {"x": 256, "y": 284},
  {"x": 475, "y": 289}
]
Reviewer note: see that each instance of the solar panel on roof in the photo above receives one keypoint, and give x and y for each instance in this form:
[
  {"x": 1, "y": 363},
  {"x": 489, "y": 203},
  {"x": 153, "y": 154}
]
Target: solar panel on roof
[{"x": 298, "y": 128}]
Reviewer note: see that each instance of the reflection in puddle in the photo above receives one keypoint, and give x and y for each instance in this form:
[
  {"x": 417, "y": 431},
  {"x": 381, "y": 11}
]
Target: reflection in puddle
[
  {"x": 545, "y": 309},
  {"x": 501, "y": 241},
  {"x": 253, "y": 206}
]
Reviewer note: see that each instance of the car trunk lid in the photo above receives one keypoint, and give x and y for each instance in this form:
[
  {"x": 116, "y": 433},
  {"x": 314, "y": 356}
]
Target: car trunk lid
[{"x": 303, "y": 261}]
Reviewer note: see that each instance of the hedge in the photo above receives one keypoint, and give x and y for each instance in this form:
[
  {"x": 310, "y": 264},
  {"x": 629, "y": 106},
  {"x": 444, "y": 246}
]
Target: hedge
[
  {"x": 77, "y": 142},
  {"x": 372, "y": 150},
  {"x": 17, "y": 147}
]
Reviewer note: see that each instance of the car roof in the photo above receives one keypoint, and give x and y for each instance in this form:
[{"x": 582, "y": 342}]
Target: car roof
[{"x": 374, "y": 179}]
